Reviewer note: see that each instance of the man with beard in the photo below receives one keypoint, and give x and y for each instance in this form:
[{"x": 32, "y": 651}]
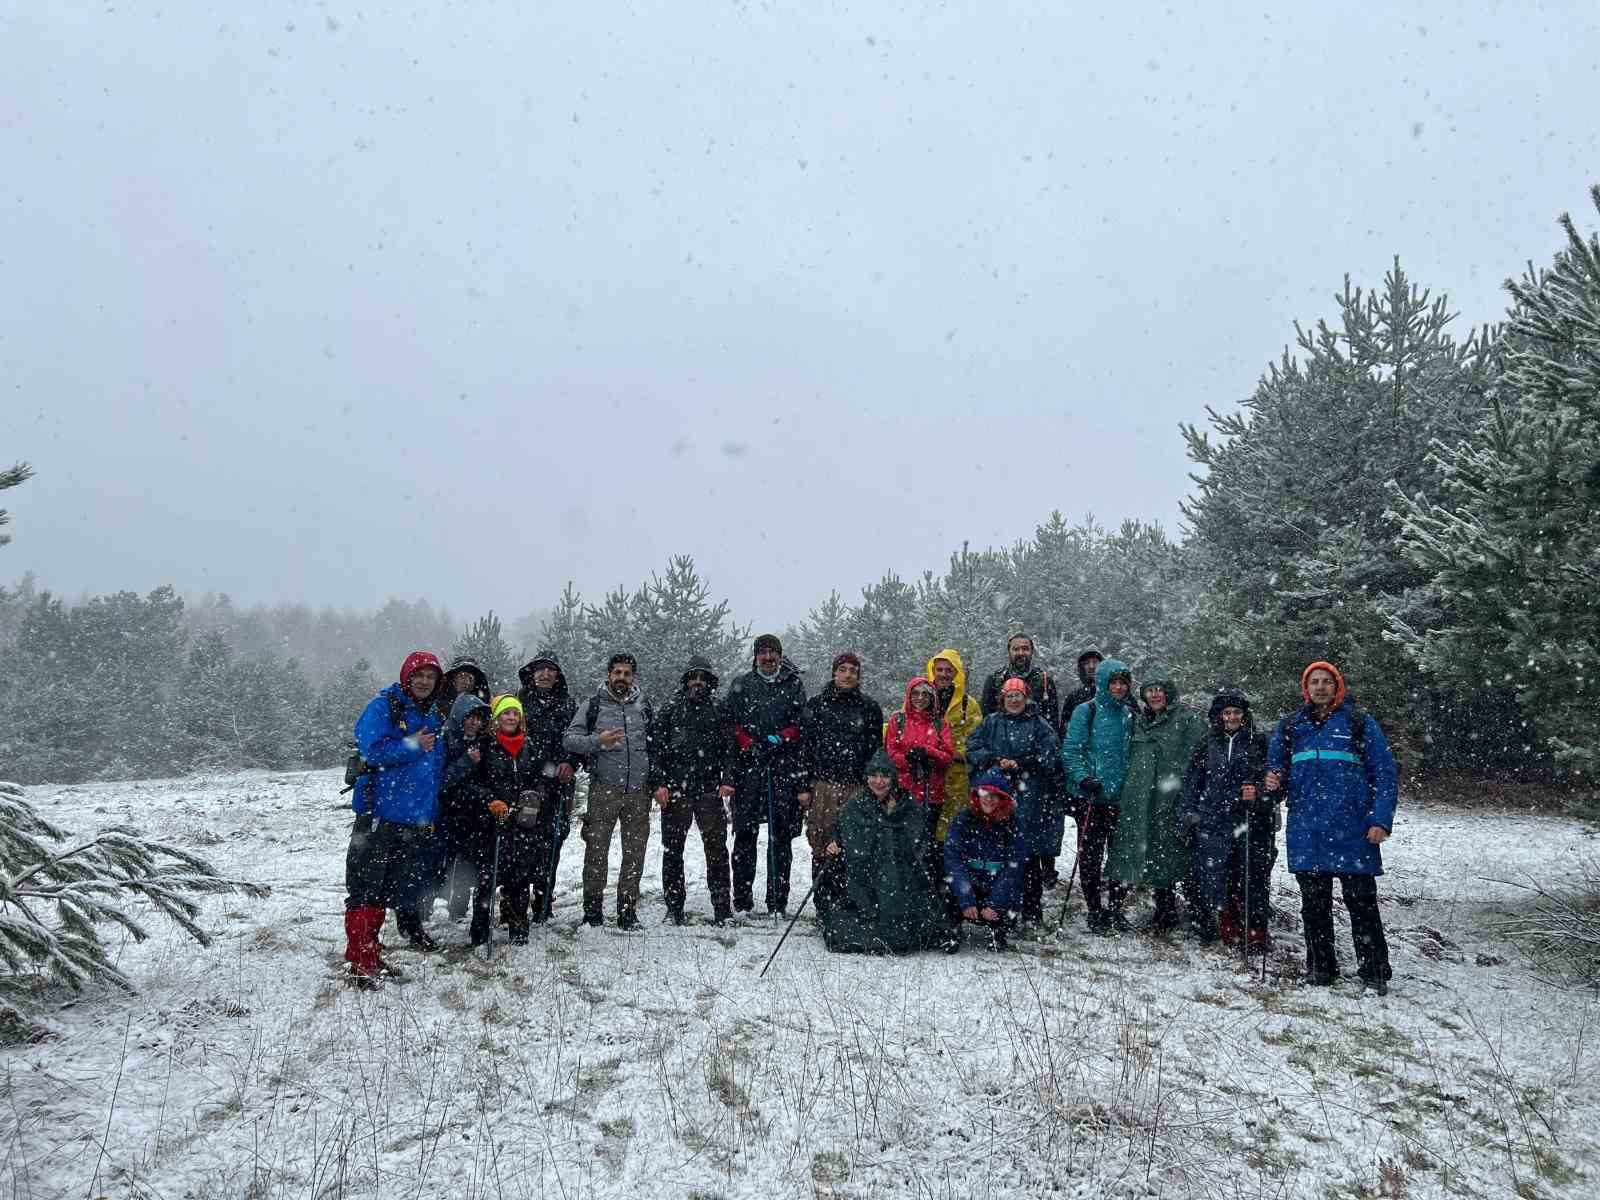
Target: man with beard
[
  {"x": 1020, "y": 665},
  {"x": 690, "y": 743},
  {"x": 612, "y": 734},
  {"x": 842, "y": 729},
  {"x": 767, "y": 779},
  {"x": 547, "y": 710}
]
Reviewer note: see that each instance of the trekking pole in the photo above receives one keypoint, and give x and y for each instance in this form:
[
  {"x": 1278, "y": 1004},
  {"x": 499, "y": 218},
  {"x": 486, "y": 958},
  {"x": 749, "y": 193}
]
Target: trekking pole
[
  {"x": 494, "y": 886},
  {"x": 1067, "y": 899},
  {"x": 772, "y": 839},
  {"x": 1244, "y": 933},
  {"x": 798, "y": 910}
]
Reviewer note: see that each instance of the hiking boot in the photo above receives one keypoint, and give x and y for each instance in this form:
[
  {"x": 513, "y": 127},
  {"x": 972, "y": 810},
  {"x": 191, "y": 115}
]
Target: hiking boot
[
  {"x": 675, "y": 915},
  {"x": 951, "y": 942},
  {"x": 420, "y": 940},
  {"x": 519, "y": 935},
  {"x": 1380, "y": 986},
  {"x": 1118, "y": 921},
  {"x": 1099, "y": 922},
  {"x": 1259, "y": 941},
  {"x": 593, "y": 911},
  {"x": 1320, "y": 978},
  {"x": 627, "y": 918}
]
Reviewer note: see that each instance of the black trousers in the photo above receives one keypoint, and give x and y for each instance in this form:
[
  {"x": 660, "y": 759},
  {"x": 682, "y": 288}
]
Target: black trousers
[
  {"x": 705, "y": 811},
  {"x": 386, "y": 864},
  {"x": 1263, "y": 850},
  {"x": 1096, "y": 827},
  {"x": 780, "y": 858},
  {"x": 1366, "y": 924}
]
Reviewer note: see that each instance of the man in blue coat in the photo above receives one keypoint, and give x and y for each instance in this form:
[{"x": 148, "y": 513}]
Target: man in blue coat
[
  {"x": 396, "y": 801},
  {"x": 1342, "y": 785}
]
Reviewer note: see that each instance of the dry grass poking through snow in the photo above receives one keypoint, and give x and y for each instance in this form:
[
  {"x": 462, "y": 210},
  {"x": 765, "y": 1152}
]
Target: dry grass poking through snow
[{"x": 595, "y": 1064}]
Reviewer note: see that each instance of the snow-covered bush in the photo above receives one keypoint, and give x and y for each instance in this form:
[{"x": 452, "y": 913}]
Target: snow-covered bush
[{"x": 53, "y": 901}]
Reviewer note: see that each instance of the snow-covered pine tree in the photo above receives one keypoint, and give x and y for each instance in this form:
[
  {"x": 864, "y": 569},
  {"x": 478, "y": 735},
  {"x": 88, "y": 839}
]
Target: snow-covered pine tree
[
  {"x": 885, "y": 630},
  {"x": 13, "y": 475},
  {"x": 1291, "y": 548},
  {"x": 813, "y": 643},
  {"x": 672, "y": 618},
  {"x": 484, "y": 642},
  {"x": 54, "y": 900},
  {"x": 327, "y": 731},
  {"x": 1507, "y": 534},
  {"x": 564, "y": 634}
]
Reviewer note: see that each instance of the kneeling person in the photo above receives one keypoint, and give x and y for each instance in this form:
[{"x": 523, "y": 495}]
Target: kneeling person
[
  {"x": 888, "y": 905},
  {"x": 983, "y": 858}
]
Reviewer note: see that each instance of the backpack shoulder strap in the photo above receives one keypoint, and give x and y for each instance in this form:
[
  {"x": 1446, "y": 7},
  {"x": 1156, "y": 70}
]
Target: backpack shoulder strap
[
  {"x": 593, "y": 714},
  {"x": 900, "y": 724}
]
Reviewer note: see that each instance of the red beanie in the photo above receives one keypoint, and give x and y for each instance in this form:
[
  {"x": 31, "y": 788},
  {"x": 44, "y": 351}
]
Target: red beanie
[{"x": 417, "y": 659}]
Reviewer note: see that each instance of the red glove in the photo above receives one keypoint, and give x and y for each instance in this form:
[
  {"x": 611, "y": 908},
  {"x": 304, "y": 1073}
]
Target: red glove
[
  {"x": 742, "y": 739},
  {"x": 790, "y": 733}
]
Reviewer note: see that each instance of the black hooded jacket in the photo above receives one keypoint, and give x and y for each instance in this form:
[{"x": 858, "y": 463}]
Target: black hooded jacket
[
  {"x": 691, "y": 740},
  {"x": 464, "y": 662},
  {"x": 1224, "y": 763},
  {"x": 1083, "y": 695},
  {"x": 546, "y": 715},
  {"x": 840, "y": 732}
]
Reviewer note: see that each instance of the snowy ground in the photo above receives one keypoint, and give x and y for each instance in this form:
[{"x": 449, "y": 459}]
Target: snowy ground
[{"x": 599, "y": 1064}]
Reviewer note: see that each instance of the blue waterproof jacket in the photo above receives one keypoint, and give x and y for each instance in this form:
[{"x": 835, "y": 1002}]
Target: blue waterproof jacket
[
  {"x": 1334, "y": 796},
  {"x": 986, "y": 853},
  {"x": 1103, "y": 753},
  {"x": 1036, "y": 784},
  {"x": 405, "y": 786}
]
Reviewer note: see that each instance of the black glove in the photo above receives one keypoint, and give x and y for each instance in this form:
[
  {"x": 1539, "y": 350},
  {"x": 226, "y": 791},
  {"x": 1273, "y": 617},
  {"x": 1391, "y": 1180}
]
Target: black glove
[{"x": 917, "y": 756}]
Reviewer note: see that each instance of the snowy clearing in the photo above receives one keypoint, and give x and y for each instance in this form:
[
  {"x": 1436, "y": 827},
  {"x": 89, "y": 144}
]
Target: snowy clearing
[{"x": 600, "y": 1064}]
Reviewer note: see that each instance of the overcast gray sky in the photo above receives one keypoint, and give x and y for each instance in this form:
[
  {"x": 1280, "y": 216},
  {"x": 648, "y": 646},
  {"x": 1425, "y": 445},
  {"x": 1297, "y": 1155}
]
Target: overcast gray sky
[{"x": 469, "y": 300}]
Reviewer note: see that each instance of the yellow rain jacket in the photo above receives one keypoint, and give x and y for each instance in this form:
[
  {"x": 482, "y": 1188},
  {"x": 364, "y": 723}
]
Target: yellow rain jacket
[{"x": 963, "y": 716}]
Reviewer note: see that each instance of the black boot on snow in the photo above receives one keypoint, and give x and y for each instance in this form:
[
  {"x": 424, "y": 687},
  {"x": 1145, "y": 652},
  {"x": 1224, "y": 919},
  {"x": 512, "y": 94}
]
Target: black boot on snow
[
  {"x": 627, "y": 918},
  {"x": 675, "y": 915},
  {"x": 594, "y": 911}
]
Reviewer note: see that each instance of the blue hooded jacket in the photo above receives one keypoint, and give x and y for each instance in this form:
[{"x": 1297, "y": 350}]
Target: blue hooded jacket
[
  {"x": 990, "y": 853},
  {"x": 1106, "y": 759},
  {"x": 1334, "y": 797},
  {"x": 404, "y": 788}
]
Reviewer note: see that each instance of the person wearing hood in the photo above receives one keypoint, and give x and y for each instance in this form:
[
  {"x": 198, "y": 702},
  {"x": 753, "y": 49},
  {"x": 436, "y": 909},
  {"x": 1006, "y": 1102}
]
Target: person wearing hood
[
  {"x": 547, "y": 710},
  {"x": 1088, "y": 663},
  {"x": 1018, "y": 742},
  {"x": 1232, "y": 825},
  {"x": 1148, "y": 850},
  {"x": 612, "y": 734},
  {"x": 512, "y": 781},
  {"x": 963, "y": 715},
  {"x": 984, "y": 852},
  {"x": 464, "y": 677},
  {"x": 460, "y": 802},
  {"x": 841, "y": 730},
  {"x": 1334, "y": 764},
  {"x": 396, "y": 800},
  {"x": 889, "y": 903},
  {"x": 690, "y": 744},
  {"x": 1020, "y": 665},
  {"x": 1095, "y": 756},
  {"x": 767, "y": 780}
]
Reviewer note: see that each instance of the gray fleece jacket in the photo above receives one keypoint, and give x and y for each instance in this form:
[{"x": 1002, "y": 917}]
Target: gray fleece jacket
[{"x": 623, "y": 767}]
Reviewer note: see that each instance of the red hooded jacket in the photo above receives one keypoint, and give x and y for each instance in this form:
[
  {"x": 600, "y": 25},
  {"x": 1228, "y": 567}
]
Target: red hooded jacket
[{"x": 929, "y": 730}]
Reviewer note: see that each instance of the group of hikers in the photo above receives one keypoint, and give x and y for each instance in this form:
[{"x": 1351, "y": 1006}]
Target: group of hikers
[{"x": 950, "y": 812}]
